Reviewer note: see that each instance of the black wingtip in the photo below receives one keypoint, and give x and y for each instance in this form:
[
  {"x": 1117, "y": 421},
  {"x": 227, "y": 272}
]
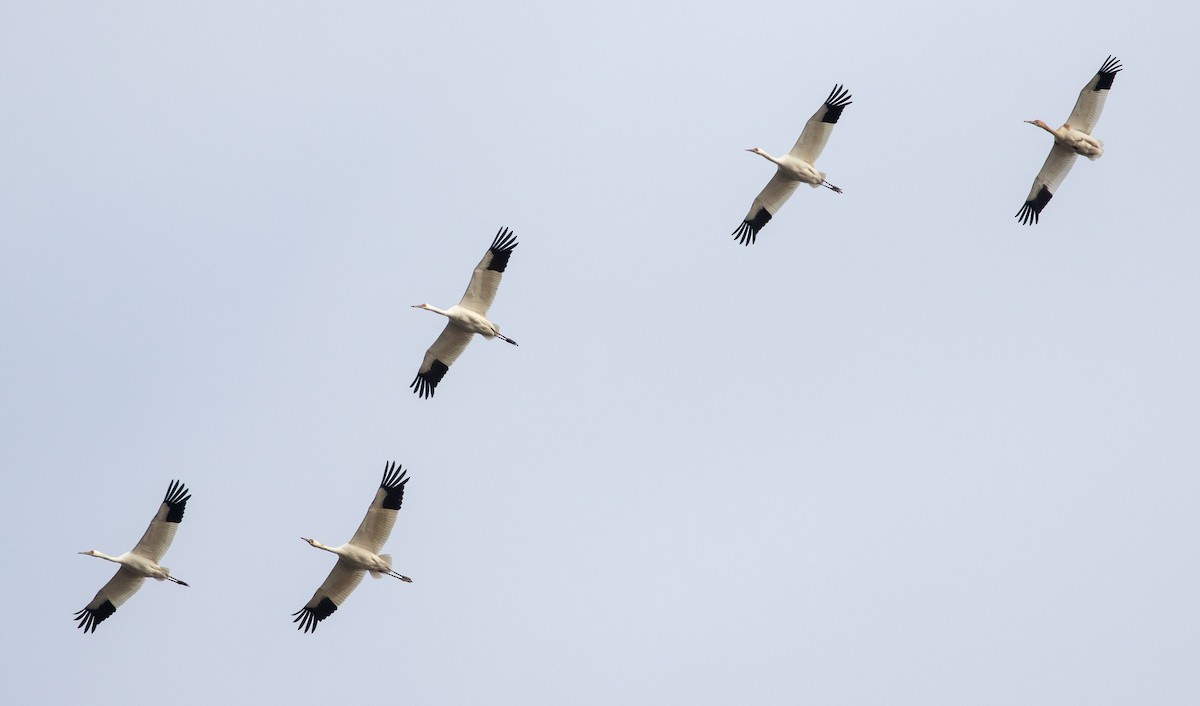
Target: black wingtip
[
  {"x": 425, "y": 383},
  {"x": 837, "y": 101},
  {"x": 501, "y": 249},
  {"x": 176, "y": 500},
  {"x": 1107, "y": 73},
  {"x": 747, "y": 232},
  {"x": 89, "y": 618},
  {"x": 1033, "y": 207},
  {"x": 394, "y": 480},
  {"x": 309, "y": 617}
]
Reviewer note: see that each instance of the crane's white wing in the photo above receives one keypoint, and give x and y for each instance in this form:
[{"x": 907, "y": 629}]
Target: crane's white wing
[
  {"x": 1091, "y": 98},
  {"x": 438, "y": 359},
  {"x": 486, "y": 277},
  {"x": 1057, "y": 165},
  {"x": 820, "y": 126},
  {"x": 766, "y": 204},
  {"x": 119, "y": 588},
  {"x": 157, "y": 539},
  {"x": 381, "y": 516},
  {"x": 338, "y": 586}
]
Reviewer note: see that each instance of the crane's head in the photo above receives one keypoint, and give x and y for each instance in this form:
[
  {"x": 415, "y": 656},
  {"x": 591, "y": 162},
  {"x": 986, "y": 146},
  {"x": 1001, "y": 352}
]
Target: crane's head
[
  {"x": 755, "y": 150},
  {"x": 420, "y": 306},
  {"x": 310, "y": 541},
  {"x": 91, "y": 552}
]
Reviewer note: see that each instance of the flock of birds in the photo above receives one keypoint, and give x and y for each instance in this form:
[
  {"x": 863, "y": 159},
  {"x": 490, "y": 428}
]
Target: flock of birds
[
  {"x": 469, "y": 317},
  {"x": 358, "y": 556},
  {"x": 798, "y": 166}
]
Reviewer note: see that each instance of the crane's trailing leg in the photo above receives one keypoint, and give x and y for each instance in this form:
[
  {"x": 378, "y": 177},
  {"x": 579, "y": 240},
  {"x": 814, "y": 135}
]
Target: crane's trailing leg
[
  {"x": 506, "y": 339},
  {"x": 172, "y": 578},
  {"x": 831, "y": 186}
]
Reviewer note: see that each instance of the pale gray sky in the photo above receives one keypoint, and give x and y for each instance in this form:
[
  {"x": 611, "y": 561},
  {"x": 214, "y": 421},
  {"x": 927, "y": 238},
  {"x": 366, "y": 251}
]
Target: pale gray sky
[{"x": 902, "y": 450}]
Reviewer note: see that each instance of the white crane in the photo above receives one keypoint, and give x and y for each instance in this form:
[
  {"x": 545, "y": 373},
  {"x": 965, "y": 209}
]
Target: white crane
[
  {"x": 360, "y": 554},
  {"x": 139, "y": 563},
  {"x": 1074, "y": 137},
  {"x": 795, "y": 167},
  {"x": 467, "y": 317}
]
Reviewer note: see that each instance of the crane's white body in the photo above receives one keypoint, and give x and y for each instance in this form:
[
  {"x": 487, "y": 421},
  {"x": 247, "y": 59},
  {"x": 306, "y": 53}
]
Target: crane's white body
[
  {"x": 359, "y": 558},
  {"x": 360, "y": 555},
  {"x": 468, "y": 317},
  {"x": 140, "y": 563},
  {"x": 1073, "y": 138},
  {"x": 796, "y": 167},
  {"x": 466, "y": 320},
  {"x": 142, "y": 566}
]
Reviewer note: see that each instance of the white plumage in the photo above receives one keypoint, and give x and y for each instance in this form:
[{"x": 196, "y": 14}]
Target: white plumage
[
  {"x": 795, "y": 167},
  {"x": 360, "y": 554},
  {"x": 468, "y": 317},
  {"x": 1074, "y": 137},
  {"x": 139, "y": 563}
]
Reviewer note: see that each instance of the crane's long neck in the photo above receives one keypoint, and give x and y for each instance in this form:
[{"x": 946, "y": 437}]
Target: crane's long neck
[
  {"x": 1044, "y": 126},
  {"x": 434, "y": 309},
  {"x": 318, "y": 545},
  {"x": 765, "y": 155}
]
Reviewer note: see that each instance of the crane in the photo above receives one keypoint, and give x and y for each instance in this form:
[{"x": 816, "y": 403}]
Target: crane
[
  {"x": 795, "y": 167},
  {"x": 1074, "y": 137},
  {"x": 360, "y": 554},
  {"x": 467, "y": 317},
  {"x": 140, "y": 563}
]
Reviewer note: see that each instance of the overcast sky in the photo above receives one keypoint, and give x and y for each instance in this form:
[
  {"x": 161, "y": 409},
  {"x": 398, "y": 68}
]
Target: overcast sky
[{"x": 902, "y": 450}]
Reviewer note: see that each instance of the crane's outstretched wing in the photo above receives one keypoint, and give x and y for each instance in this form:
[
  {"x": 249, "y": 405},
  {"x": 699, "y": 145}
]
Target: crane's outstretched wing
[
  {"x": 338, "y": 586},
  {"x": 438, "y": 359},
  {"x": 820, "y": 126},
  {"x": 157, "y": 539},
  {"x": 486, "y": 277},
  {"x": 1057, "y": 165},
  {"x": 381, "y": 516},
  {"x": 1091, "y": 98},
  {"x": 119, "y": 588},
  {"x": 766, "y": 204}
]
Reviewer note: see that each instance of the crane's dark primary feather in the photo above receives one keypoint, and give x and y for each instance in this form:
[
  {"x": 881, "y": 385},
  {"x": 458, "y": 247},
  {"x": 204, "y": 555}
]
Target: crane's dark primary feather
[
  {"x": 309, "y": 617},
  {"x": 176, "y": 500},
  {"x": 1107, "y": 73},
  {"x": 837, "y": 101},
  {"x": 394, "y": 478},
  {"x": 502, "y": 247},
  {"x": 1033, "y": 208},
  {"x": 89, "y": 618},
  {"x": 425, "y": 383},
  {"x": 748, "y": 230}
]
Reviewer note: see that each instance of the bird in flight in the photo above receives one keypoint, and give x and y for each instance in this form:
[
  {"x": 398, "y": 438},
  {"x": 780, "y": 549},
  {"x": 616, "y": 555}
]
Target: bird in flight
[
  {"x": 1073, "y": 138},
  {"x": 139, "y": 563},
  {"x": 468, "y": 317},
  {"x": 795, "y": 167},
  {"x": 361, "y": 554}
]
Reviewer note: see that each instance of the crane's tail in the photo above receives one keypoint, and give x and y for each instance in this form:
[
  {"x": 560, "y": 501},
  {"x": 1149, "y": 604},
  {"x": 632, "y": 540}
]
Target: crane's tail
[{"x": 379, "y": 574}]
